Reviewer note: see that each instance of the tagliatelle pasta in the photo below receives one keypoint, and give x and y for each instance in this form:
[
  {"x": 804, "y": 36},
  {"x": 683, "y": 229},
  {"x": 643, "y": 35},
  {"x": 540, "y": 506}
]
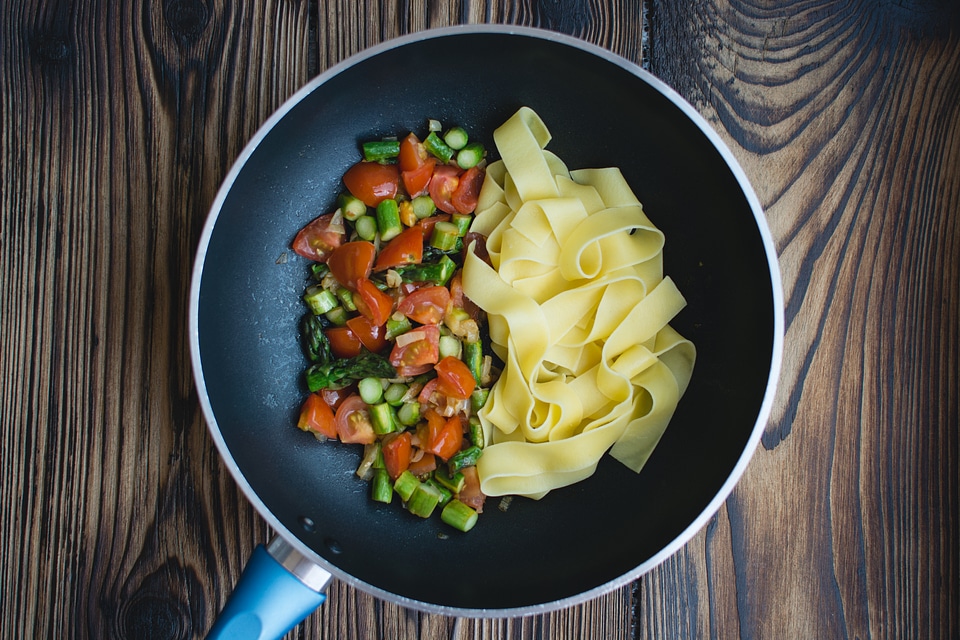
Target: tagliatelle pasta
[{"x": 578, "y": 310}]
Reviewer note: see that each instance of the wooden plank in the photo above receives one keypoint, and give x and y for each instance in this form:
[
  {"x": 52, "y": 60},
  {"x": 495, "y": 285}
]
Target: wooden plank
[
  {"x": 119, "y": 122},
  {"x": 846, "y": 120}
]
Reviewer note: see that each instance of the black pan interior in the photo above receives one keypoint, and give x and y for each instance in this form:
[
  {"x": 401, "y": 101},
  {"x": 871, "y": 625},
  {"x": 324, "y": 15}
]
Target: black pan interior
[{"x": 578, "y": 538}]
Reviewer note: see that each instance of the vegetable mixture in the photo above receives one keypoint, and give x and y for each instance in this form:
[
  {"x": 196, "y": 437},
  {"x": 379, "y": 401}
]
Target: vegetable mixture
[{"x": 397, "y": 362}]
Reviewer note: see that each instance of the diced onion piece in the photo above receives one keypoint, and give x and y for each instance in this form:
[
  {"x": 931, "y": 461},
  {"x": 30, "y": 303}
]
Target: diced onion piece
[
  {"x": 393, "y": 279},
  {"x": 336, "y": 222},
  {"x": 410, "y": 336}
]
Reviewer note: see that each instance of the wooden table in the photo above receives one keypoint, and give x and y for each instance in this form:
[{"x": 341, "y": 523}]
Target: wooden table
[{"x": 119, "y": 120}]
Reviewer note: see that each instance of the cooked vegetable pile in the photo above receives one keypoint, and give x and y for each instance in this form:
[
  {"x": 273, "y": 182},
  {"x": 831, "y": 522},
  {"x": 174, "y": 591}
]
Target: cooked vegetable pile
[{"x": 396, "y": 357}]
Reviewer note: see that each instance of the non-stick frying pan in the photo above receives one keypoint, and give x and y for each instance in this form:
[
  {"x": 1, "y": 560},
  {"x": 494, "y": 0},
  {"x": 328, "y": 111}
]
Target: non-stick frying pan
[{"x": 577, "y": 542}]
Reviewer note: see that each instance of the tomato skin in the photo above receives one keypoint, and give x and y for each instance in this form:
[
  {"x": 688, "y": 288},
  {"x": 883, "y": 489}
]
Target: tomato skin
[
  {"x": 317, "y": 240},
  {"x": 454, "y": 378},
  {"x": 471, "y": 494},
  {"x": 372, "y": 182},
  {"x": 427, "y": 224},
  {"x": 343, "y": 342},
  {"x": 335, "y": 397},
  {"x": 406, "y": 248},
  {"x": 353, "y": 422},
  {"x": 465, "y": 196},
  {"x": 413, "y": 154},
  {"x": 352, "y": 261},
  {"x": 373, "y": 303},
  {"x": 426, "y": 305},
  {"x": 396, "y": 450},
  {"x": 370, "y": 335},
  {"x": 417, "y": 180},
  {"x": 424, "y": 465},
  {"x": 443, "y": 184},
  {"x": 444, "y": 436},
  {"x": 459, "y": 299},
  {"x": 420, "y": 353},
  {"x": 317, "y": 416}
]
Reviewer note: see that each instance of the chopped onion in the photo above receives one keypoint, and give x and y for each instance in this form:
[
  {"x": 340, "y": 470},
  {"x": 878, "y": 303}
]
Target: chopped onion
[
  {"x": 336, "y": 222},
  {"x": 410, "y": 336},
  {"x": 370, "y": 453},
  {"x": 393, "y": 279}
]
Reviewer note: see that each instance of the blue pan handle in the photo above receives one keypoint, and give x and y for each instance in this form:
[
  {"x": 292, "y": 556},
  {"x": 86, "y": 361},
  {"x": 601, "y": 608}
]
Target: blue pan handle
[{"x": 278, "y": 589}]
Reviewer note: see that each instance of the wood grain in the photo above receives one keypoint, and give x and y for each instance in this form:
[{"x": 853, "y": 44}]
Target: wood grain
[
  {"x": 846, "y": 120},
  {"x": 119, "y": 120}
]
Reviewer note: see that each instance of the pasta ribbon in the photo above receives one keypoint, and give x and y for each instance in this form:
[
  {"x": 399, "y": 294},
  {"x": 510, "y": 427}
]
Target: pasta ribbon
[{"x": 578, "y": 309}]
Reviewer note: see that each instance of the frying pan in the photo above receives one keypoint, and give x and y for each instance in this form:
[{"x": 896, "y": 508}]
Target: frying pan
[{"x": 580, "y": 541}]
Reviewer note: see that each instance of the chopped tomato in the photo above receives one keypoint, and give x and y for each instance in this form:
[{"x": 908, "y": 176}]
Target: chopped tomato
[
  {"x": 426, "y": 394},
  {"x": 372, "y": 336},
  {"x": 413, "y": 154},
  {"x": 427, "y": 224},
  {"x": 471, "y": 494},
  {"x": 479, "y": 242},
  {"x": 373, "y": 303},
  {"x": 335, "y": 397},
  {"x": 459, "y": 299},
  {"x": 426, "y": 305},
  {"x": 319, "y": 238},
  {"x": 317, "y": 416},
  {"x": 443, "y": 184},
  {"x": 409, "y": 371},
  {"x": 417, "y": 180},
  {"x": 468, "y": 190},
  {"x": 423, "y": 465},
  {"x": 353, "y": 422},
  {"x": 396, "y": 453},
  {"x": 372, "y": 182},
  {"x": 454, "y": 378},
  {"x": 343, "y": 342},
  {"x": 444, "y": 436},
  {"x": 417, "y": 348},
  {"x": 406, "y": 248},
  {"x": 352, "y": 261}
]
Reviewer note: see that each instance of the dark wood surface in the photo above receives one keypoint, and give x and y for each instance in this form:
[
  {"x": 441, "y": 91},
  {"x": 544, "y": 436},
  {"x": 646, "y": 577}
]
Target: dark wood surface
[{"x": 119, "y": 120}]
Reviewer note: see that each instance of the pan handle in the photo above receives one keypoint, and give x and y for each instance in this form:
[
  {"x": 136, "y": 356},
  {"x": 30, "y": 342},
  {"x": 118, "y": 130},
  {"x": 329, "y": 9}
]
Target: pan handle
[{"x": 278, "y": 588}]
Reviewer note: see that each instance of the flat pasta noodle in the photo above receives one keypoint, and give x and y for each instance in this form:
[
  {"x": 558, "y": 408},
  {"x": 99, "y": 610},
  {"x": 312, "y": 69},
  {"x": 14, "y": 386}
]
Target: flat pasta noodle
[{"x": 578, "y": 310}]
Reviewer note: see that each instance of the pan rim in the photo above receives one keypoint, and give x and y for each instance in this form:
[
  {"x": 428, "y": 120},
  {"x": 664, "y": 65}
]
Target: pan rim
[{"x": 775, "y": 282}]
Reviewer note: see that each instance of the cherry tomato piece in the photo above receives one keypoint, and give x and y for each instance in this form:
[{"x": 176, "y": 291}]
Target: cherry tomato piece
[
  {"x": 372, "y": 182},
  {"x": 454, "y": 378},
  {"x": 459, "y": 299},
  {"x": 335, "y": 397},
  {"x": 443, "y": 184},
  {"x": 427, "y": 224},
  {"x": 396, "y": 453},
  {"x": 426, "y": 305},
  {"x": 423, "y": 465},
  {"x": 406, "y": 248},
  {"x": 343, "y": 342},
  {"x": 471, "y": 494},
  {"x": 444, "y": 436},
  {"x": 413, "y": 154},
  {"x": 373, "y": 303},
  {"x": 372, "y": 336},
  {"x": 352, "y": 261},
  {"x": 419, "y": 348},
  {"x": 353, "y": 422},
  {"x": 465, "y": 196},
  {"x": 317, "y": 416},
  {"x": 319, "y": 238},
  {"x": 417, "y": 180}
]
